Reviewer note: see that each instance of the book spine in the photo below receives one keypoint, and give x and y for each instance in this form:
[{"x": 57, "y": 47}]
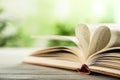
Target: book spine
[{"x": 84, "y": 69}]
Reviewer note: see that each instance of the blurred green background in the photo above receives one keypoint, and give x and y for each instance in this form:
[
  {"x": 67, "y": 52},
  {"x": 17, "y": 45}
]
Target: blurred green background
[{"x": 19, "y": 19}]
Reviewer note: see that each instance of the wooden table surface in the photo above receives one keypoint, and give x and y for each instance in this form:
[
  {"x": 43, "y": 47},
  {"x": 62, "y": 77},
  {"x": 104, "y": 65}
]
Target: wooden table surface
[{"x": 12, "y": 68}]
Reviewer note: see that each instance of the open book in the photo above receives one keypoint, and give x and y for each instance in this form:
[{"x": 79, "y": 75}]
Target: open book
[{"x": 97, "y": 52}]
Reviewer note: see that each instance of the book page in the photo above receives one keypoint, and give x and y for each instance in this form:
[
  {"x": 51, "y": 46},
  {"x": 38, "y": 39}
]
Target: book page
[
  {"x": 108, "y": 51},
  {"x": 104, "y": 70},
  {"x": 52, "y": 62},
  {"x": 109, "y": 39},
  {"x": 100, "y": 39},
  {"x": 109, "y": 60},
  {"x": 114, "y": 40},
  {"x": 55, "y": 55},
  {"x": 57, "y": 37},
  {"x": 60, "y": 51},
  {"x": 83, "y": 35},
  {"x": 109, "y": 64}
]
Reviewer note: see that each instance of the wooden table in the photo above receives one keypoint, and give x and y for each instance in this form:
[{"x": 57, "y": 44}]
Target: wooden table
[{"x": 12, "y": 68}]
